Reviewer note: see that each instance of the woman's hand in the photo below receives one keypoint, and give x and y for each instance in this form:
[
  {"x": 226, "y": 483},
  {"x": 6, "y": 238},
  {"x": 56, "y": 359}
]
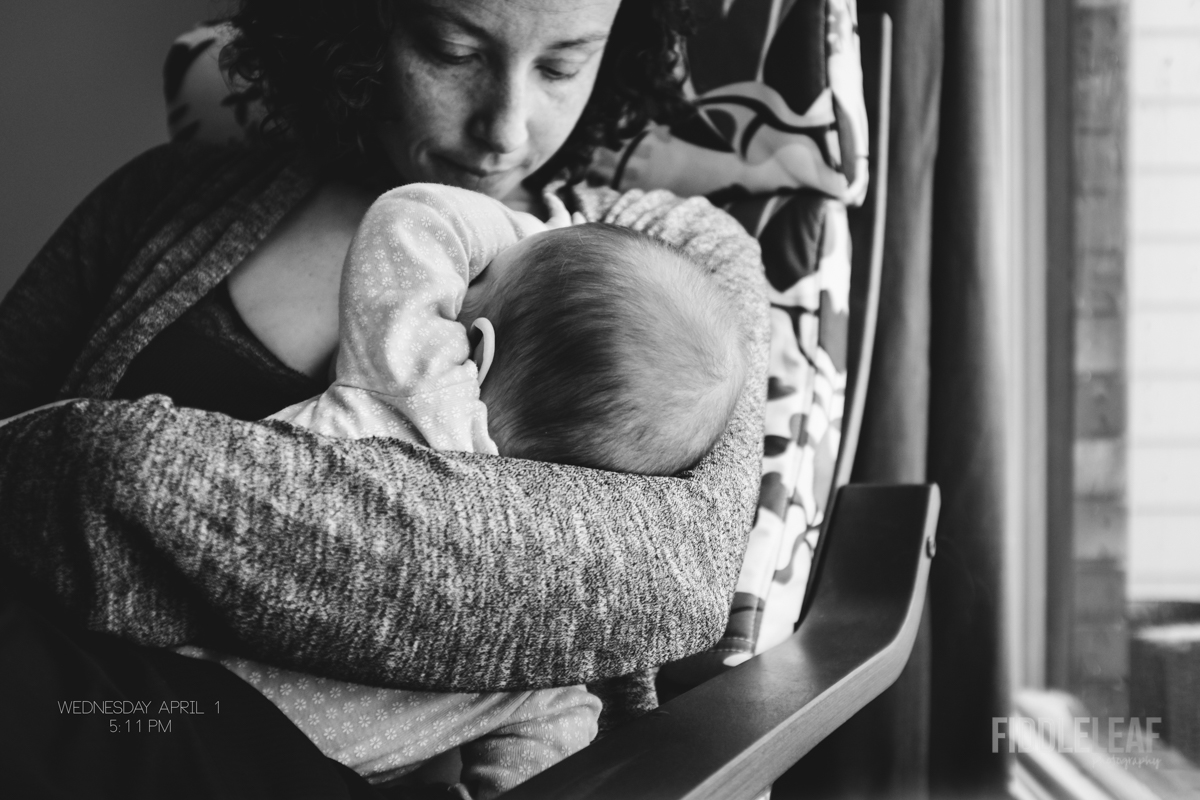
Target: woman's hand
[{"x": 559, "y": 216}]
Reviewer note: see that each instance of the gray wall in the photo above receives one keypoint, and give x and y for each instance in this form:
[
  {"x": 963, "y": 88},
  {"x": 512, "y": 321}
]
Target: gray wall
[{"x": 80, "y": 94}]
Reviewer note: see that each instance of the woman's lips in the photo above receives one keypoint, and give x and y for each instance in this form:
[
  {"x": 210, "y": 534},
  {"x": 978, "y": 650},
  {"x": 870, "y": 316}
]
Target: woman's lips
[{"x": 481, "y": 173}]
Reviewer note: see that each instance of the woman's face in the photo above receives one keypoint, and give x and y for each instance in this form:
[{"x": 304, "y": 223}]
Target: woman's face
[{"x": 480, "y": 93}]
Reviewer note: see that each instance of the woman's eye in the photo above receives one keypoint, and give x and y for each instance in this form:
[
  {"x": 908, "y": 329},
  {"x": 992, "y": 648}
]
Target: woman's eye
[
  {"x": 451, "y": 57},
  {"x": 553, "y": 73},
  {"x": 447, "y": 52}
]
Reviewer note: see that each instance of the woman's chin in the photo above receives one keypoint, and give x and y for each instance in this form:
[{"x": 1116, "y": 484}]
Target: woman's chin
[
  {"x": 494, "y": 183},
  {"x": 503, "y": 184}
]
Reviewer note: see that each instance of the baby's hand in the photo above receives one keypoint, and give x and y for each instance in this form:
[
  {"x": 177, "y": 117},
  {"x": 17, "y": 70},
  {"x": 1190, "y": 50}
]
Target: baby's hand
[{"x": 559, "y": 216}]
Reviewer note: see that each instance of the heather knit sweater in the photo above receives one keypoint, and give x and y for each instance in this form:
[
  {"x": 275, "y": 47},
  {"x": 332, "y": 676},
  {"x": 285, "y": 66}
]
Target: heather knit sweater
[{"x": 375, "y": 560}]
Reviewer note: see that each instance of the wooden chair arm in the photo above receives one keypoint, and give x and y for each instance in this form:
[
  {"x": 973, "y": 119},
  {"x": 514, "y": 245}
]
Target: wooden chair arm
[{"x": 729, "y": 738}]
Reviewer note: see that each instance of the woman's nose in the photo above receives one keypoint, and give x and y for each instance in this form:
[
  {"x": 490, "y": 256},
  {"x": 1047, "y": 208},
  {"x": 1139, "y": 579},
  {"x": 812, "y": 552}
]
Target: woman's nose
[{"x": 502, "y": 122}]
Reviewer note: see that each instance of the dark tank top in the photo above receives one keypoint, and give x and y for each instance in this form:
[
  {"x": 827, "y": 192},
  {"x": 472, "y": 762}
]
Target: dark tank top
[{"x": 209, "y": 359}]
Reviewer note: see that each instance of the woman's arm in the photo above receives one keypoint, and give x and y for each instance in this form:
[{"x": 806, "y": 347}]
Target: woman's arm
[{"x": 383, "y": 562}]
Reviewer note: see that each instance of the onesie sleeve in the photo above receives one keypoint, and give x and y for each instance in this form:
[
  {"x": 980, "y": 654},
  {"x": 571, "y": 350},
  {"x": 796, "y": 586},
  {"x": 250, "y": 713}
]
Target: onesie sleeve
[
  {"x": 403, "y": 358},
  {"x": 407, "y": 273}
]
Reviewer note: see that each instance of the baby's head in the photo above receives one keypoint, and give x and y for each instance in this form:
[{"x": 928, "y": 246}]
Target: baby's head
[{"x": 613, "y": 351}]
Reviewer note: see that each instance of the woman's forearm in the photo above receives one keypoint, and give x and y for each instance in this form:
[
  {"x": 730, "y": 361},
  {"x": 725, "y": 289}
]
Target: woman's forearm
[{"x": 395, "y": 565}]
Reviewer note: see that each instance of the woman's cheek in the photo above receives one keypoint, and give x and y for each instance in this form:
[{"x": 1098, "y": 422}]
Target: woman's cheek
[
  {"x": 566, "y": 104},
  {"x": 418, "y": 90},
  {"x": 429, "y": 120}
]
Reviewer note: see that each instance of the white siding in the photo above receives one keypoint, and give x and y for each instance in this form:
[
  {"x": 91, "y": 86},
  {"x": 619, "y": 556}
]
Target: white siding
[
  {"x": 1164, "y": 135},
  {"x": 1173, "y": 578},
  {"x": 1151, "y": 15},
  {"x": 1168, "y": 409},
  {"x": 1163, "y": 481},
  {"x": 1165, "y": 274},
  {"x": 1166, "y": 64},
  {"x": 1163, "y": 343},
  {"x": 1166, "y": 206},
  {"x": 1164, "y": 302}
]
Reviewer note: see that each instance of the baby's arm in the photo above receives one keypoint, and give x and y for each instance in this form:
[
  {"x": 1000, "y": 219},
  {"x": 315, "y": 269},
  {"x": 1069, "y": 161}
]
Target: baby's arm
[
  {"x": 407, "y": 271},
  {"x": 549, "y": 726},
  {"x": 456, "y": 228},
  {"x": 408, "y": 268},
  {"x": 402, "y": 354}
]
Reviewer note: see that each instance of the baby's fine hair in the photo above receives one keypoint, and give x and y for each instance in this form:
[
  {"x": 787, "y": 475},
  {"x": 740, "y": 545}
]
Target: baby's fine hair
[{"x": 614, "y": 351}]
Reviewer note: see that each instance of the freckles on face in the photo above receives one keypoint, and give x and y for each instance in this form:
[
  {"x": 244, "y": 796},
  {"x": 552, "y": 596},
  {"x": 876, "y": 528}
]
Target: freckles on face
[{"x": 480, "y": 94}]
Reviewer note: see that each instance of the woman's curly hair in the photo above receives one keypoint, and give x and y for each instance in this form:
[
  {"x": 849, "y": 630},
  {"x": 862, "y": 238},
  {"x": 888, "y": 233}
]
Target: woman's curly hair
[{"x": 319, "y": 65}]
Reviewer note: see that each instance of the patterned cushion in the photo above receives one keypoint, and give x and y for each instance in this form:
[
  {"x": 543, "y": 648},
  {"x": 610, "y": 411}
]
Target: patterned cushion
[
  {"x": 203, "y": 103},
  {"x": 780, "y": 143},
  {"x": 778, "y": 84}
]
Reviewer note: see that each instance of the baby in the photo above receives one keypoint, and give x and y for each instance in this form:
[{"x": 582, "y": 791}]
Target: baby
[
  {"x": 595, "y": 346},
  {"x": 598, "y": 346}
]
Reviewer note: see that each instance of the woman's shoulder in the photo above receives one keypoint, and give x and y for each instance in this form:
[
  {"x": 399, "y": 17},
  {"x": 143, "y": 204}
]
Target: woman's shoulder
[
  {"x": 705, "y": 233},
  {"x": 659, "y": 212},
  {"x": 173, "y": 179},
  {"x": 169, "y": 164}
]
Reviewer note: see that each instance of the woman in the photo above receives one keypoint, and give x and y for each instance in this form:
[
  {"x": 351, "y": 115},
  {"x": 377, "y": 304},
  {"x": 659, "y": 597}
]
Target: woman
[{"x": 201, "y": 274}]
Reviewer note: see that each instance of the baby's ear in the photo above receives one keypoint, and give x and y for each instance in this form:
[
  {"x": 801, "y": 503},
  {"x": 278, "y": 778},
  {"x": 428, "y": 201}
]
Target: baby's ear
[{"x": 485, "y": 351}]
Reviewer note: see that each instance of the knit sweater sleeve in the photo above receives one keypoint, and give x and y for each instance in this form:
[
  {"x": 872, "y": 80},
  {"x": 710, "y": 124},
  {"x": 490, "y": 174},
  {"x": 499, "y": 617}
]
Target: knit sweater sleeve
[{"x": 379, "y": 561}]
